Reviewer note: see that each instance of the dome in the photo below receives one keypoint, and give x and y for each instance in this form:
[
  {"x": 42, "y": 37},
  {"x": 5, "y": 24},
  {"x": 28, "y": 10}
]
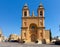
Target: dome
[
  {"x": 25, "y": 6},
  {"x": 41, "y": 5}
]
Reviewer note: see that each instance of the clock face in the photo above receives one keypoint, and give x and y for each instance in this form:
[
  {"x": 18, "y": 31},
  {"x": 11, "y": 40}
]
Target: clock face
[
  {"x": 41, "y": 23},
  {"x": 40, "y": 20}
]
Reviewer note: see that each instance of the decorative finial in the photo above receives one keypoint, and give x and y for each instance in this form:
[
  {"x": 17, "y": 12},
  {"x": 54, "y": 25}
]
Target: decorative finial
[
  {"x": 41, "y": 3},
  {"x": 33, "y": 13}
]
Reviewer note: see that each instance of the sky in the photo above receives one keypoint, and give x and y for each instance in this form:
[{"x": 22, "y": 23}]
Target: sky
[{"x": 11, "y": 13}]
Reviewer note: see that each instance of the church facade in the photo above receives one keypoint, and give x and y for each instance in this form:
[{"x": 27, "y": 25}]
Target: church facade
[{"x": 33, "y": 29}]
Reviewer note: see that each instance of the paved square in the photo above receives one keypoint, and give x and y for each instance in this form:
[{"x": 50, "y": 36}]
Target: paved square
[{"x": 9, "y": 44}]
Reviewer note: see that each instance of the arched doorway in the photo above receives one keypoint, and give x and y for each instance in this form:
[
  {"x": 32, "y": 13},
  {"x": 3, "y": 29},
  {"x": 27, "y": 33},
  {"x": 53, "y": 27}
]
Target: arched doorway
[
  {"x": 33, "y": 32},
  {"x": 33, "y": 38}
]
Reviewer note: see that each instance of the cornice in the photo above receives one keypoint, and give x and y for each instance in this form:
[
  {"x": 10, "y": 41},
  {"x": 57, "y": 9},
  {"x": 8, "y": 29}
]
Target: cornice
[
  {"x": 32, "y": 17},
  {"x": 24, "y": 27}
]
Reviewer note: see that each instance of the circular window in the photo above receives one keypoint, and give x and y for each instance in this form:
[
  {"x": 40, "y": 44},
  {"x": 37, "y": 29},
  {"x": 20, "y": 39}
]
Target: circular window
[{"x": 33, "y": 27}]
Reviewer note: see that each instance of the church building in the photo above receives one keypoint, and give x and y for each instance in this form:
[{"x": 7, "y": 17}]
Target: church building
[{"x": 33, "y": 29}]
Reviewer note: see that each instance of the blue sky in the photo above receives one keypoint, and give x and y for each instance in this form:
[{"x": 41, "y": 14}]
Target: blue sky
[{"x": 11, "y": 13}]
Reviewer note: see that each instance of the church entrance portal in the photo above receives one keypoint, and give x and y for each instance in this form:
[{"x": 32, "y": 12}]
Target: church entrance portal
[{"x": 33, "y": 32}]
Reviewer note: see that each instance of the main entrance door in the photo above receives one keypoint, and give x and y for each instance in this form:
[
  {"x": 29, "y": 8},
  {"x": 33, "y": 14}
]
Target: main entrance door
[
  {"x": 33, "y": 32},
  {"x": 33, "y": 38}
]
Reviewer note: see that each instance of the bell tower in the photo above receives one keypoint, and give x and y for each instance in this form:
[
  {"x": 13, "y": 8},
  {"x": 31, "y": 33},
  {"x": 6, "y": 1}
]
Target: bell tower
[
  {"x": 40, "y": 10},
  {"x": 41, "y": 26},
  {"x": 41, "y": 15},
  {"x": 25, "y": 11}
]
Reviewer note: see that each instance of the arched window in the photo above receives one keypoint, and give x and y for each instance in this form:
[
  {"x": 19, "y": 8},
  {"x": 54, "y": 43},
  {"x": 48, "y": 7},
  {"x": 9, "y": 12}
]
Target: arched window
[
  {"x": 41, "y": 13},
  {"x": 25, "y": 23},
  {"x": 25, "y": 13}
]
